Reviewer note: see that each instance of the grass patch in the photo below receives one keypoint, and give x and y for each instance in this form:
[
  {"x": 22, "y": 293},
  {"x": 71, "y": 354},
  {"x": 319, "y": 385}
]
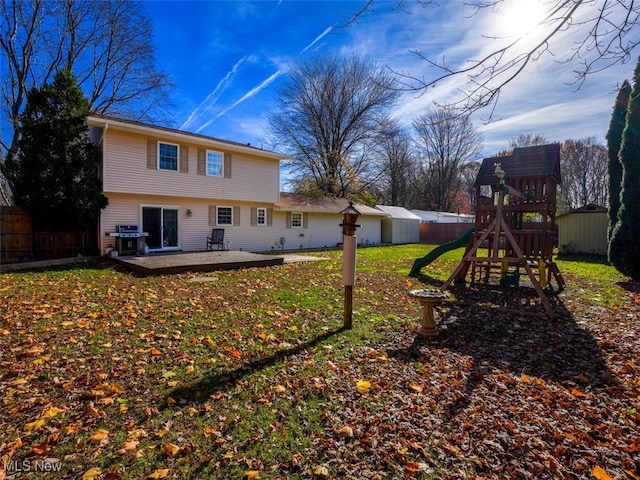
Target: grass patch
[{"x": 139, "y": 376}]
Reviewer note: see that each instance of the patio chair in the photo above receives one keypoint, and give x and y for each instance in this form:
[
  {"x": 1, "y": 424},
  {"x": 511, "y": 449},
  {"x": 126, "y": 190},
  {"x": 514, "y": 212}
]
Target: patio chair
[{"x": 216, "y": 239}]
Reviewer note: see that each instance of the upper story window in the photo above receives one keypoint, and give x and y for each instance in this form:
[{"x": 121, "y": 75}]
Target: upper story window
[
  {"x": 215, "y": 162},
  {"x": 168, "y": 156},
  {"x": 296, "y": 220},
  {"x": 261, "y": 218},
  {"x": 224, "y": 216}
]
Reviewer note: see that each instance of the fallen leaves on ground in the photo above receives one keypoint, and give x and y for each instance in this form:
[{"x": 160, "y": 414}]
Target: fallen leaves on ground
[{"x": 118, "y": 376}]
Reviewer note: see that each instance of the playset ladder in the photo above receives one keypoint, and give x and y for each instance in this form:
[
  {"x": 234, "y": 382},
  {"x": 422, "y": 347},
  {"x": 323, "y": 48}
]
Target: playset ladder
[{"x": 495, "y": 228}]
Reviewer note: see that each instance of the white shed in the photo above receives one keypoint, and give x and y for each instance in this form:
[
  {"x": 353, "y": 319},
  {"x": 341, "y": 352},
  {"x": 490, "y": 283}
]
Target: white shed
[
  {"x": 429, "y": 216},
  {"x": 399, "y": 226}
]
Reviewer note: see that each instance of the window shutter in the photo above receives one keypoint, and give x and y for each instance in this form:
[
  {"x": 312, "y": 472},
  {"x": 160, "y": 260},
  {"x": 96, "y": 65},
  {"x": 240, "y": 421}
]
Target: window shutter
[
  {"x": 288, "y": 219},
  {"x": 152, "y": 154},
  {"x": 269, "y": 217},
  {"x": 201, "y": 162},
  {"x": 227, "y": 165},
  {"x": 212, "y": 214},
  {"x": 184, "y": 159},
  {"x": 236, "y": 216},
  {"x": 304, "y": 220},
  {"x": 254, "y": 216}
]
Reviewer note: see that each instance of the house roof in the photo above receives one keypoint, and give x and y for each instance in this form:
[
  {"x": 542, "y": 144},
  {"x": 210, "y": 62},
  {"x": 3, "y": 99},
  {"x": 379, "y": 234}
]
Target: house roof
[
  {"x": 422, "y": 214},
  {"x": 590, "y": 208},
  {"x": 105, "y": 121},
  {"x": 535, "y": 161},
  {"x": 294, "y": 202},
  {"x": 398, "y": 212}
]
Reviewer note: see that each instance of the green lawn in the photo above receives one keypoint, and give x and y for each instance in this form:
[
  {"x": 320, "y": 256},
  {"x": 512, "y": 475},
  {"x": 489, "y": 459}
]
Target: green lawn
[{"x": 248, "y": 374}]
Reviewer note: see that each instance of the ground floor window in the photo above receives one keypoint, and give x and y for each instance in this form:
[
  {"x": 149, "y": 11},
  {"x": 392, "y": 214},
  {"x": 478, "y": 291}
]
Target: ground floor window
[
  {"x": 261, "y": 218},
  {"x": 296, "y": 220},
  {"x": 224, "y": 215}
]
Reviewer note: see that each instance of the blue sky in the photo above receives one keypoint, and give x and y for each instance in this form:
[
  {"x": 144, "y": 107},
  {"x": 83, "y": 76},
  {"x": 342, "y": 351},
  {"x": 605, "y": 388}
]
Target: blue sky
[{"x": 228, "y": 59}]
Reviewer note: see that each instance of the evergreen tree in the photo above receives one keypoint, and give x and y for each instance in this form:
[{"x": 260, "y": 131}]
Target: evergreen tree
[
  {"x": 624, "y": 253},
  {"x": 55, "y": 171},
  {"x": 614, "y": 138}
]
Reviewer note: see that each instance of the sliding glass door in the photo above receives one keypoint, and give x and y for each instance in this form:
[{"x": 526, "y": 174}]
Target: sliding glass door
[{"x": 161, "y": 223}]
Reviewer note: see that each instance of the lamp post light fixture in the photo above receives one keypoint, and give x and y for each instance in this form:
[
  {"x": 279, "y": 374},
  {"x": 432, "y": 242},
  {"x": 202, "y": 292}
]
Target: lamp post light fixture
[
  {"x": 350, "y": 220},
  {"x": 349, "y": 244}
]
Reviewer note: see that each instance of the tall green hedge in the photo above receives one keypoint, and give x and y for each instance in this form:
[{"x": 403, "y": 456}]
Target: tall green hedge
[
  {"x": 624, "y": 246},
  {"x": 614, "y": 139}
]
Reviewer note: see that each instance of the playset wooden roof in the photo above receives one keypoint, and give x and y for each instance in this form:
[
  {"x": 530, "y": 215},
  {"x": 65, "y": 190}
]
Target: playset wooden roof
[{"x": 532, "y": 162}]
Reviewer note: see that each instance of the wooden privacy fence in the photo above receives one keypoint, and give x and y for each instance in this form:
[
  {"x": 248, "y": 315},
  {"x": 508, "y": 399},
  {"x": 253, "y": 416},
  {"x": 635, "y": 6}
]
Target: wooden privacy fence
[
  {"x": 25, "y": 239},
  {"x": 442, "y": 232}
]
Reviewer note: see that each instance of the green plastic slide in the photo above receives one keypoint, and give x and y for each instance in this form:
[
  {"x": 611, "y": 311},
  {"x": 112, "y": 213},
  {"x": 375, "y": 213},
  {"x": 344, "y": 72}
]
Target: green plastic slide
[{"x": 439, "y": 250}]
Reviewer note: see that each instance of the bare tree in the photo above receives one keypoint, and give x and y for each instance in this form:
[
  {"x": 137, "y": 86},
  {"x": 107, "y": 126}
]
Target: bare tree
[
  {"x": 398, "y": 167},
  {"x": 584, "y": 166},
  {"x": 603, "y": 33},
  {"x": 331, "y": 110},
  {"x": 468, "y": 174},
  {"x": 523, "y": 140},
  {"x": 528, "y": 140},
  {"x": 446, "y": 141},
  {"x": 106, "y": 44}
]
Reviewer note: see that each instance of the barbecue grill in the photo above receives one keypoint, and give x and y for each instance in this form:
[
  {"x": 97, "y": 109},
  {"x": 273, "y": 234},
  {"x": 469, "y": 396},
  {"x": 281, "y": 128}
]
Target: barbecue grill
[{"x": 129, "y": 239}]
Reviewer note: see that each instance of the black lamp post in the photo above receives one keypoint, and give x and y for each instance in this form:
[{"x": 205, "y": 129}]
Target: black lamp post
[{"x": 349, "y": 244}]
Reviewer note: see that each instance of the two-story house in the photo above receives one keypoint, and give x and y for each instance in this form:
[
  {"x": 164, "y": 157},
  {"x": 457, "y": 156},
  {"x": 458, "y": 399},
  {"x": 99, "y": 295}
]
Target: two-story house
[{"x": 177, "y": 186}]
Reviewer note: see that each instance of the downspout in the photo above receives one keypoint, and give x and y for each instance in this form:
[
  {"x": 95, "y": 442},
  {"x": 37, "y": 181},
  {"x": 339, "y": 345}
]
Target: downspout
[{"x": 101, "y": 221}]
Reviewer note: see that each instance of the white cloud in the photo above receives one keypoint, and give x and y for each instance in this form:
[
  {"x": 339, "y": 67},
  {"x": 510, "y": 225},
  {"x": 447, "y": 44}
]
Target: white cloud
[{"x": 538, "y": 101}]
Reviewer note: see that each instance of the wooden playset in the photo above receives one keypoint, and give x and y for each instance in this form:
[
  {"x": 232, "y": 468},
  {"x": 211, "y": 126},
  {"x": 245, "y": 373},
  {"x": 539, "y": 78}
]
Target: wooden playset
[{"x": 515, "y": 226}]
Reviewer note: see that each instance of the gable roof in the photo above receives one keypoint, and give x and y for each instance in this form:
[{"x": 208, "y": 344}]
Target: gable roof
[
  {"x": 294, "y": 202},
  {"x": 105, "y": 121},
  {"x": 398, "y": 212},
  {"x": 589, "y": 208},
  {"x": 429, "y": 214},
  {"x": 535, "y": 161}
]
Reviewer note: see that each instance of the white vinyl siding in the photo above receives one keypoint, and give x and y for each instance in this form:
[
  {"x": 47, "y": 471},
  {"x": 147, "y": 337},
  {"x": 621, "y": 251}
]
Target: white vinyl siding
[
  {"x": 323, "y": 229},
  {"x": 131, "y": 166}
]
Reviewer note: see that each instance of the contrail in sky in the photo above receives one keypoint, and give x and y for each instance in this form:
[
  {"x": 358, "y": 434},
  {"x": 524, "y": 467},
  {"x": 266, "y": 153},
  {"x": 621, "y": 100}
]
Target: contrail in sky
[
  {"x": 246, "y": 96},
  {"x": 210, "y": 98},
  {"x": 317, "y": 39},
  {"x": 251, "y": 92}
]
